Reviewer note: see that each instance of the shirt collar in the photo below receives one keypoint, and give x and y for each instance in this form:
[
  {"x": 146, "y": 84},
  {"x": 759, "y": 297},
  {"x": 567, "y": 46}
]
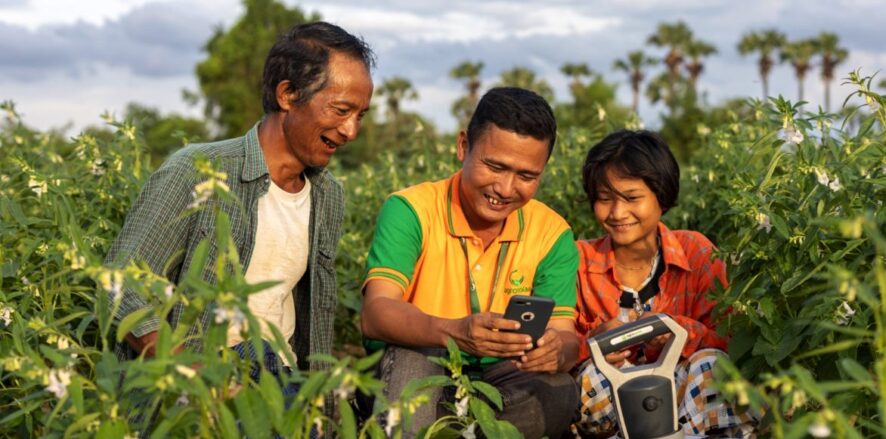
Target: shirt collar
[
  {"x": 458, "y": 225},
  {"x": 672, "y": 252},
  {"x": 255, "y": 167}
]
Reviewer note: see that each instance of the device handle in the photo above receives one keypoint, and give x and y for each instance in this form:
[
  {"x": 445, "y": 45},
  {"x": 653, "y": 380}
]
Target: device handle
[{"x": 631, "y": 334}]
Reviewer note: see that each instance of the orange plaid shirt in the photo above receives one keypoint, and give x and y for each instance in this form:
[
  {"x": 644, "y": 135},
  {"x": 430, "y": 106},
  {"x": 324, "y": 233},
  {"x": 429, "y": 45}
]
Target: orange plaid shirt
[{"x": 689, "y": 275}]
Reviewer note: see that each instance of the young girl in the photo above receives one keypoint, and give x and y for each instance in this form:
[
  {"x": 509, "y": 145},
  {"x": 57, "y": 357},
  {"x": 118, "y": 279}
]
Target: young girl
[{"x": 632, "y": 179}]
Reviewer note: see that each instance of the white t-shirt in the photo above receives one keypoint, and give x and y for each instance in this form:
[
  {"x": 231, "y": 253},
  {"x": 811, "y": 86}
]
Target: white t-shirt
[{"x": 280, "y": 254}]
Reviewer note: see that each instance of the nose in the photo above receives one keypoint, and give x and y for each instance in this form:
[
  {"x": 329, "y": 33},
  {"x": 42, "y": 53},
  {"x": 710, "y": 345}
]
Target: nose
[
  {"x": 618, "y": 210},
  {"x": 504, "y": 186},
  {"x": 350, "y": 128}
]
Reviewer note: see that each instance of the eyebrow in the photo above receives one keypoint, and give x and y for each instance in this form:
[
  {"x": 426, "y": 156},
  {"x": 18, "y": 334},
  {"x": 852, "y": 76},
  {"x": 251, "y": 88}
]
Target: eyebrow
[{"x": 503, "y": 165}]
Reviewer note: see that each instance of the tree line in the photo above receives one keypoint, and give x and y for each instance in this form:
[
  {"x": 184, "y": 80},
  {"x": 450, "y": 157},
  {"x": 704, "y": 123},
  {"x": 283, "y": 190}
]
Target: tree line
[{"x": 230, "y": 76}]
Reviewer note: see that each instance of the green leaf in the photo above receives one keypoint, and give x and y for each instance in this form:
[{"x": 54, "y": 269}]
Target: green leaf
[
  {"x": 490, "y": 392},
  {"x": 347, "y": 428},
  {"x": 228, "y": 425},
  {"x": 855, "y": 370},
  {"x": 272, "y": 397},
  {"x": 111, "y": 430},
  {"x": 130, "y": 321}
]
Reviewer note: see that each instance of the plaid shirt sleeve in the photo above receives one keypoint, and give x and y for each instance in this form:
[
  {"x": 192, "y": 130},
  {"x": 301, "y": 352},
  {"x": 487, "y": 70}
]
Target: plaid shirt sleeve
[{"x": 155, "y": 232}]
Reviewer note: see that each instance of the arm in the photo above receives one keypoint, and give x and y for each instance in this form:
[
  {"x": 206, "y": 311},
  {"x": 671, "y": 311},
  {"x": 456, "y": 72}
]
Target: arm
[
  {"x": 695, "y": 312},
  {"x": 155, "y": 234},
  {"x": 558, "y": 348},
  {"x": 386, "y": 316}
]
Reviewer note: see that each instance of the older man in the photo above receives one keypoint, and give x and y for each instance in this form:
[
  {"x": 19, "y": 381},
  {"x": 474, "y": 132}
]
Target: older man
[{"x": 316, "y": 88}]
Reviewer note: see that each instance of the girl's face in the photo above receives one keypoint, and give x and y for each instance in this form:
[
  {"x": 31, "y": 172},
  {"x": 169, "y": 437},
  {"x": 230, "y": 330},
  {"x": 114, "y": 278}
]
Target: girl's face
[{"x": 631, "y": 219}]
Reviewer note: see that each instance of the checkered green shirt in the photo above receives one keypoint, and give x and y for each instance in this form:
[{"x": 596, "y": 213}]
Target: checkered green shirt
[{"x": 157, "y": 234}]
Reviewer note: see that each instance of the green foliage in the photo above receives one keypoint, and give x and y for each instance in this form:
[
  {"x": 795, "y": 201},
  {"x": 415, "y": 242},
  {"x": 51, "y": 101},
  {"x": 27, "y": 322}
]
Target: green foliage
[
  {"x": 61, "y": 205},
  {"x": 794, "y": 204},
  {"x": 232, "y": 71}
]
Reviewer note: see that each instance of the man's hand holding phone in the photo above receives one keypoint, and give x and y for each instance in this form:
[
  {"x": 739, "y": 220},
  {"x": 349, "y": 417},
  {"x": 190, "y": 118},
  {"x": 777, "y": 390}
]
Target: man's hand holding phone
[{"x": 487, "y": 334}]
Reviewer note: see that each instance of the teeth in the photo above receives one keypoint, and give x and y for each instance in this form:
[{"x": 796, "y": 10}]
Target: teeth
[{"x": 493, "y": 201}]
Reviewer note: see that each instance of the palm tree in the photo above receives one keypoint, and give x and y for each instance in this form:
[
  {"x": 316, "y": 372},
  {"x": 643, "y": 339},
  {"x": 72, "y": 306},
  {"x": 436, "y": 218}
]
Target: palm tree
[
  {"x": 575, "y": 72},
  {"x": 674, "y": 37},
  {"x": 633, "y": 65},
  {"x": 463, "y": 108},
  {"x": 765, "y": 42},
  {"x": 696, "y": 50},
  {"x": 827, "y": 46},
  {"x": 799, "y": 54},
  {"x": 395, "y": 90},
  {"x": 525, "y": 78}
]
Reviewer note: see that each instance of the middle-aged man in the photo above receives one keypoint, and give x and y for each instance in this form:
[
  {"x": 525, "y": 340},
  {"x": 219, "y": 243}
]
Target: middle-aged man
[
  {"x": 316, "y": 87},
  {"x": 447, "y": 256}
]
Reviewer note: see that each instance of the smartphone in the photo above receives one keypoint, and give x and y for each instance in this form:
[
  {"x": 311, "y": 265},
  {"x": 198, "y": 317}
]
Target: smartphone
[{"x": 532, "y": 312}]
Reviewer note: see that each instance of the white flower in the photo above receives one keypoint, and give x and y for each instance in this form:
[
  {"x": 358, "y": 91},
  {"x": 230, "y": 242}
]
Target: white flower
[
  {"x": 835, "y": 185},
  {"x": 844, "y": 314},
  {"x": 763, "y": 222},
  {"x": 601, "y": 114},
  {"x": 112, "y": 282},
  {"x": 186, "y": 371},
  {"x": 822, "y": 177},
  {"x": 695, "y": 178},
  {"x": 233, "y": 316},
  {"x": 6, "y": 315},
  {"x": 58, "y": 382},
  {"x": 818, "y": 429},
  {"x": 872, "y": 103},
  {"x": 97, "y": 167},
  {"x": 790, "y": 134},
  {"x": 461, "y": 407},
  {"x": 25, "y": 281},
  {"x": 39, "y": 188},
  {"x": 183, "y": 400},
  {"x": 825, "y": 180},
  {"x": 392, "y": 420},
  {"x": 203, "y": 191},
  {"x": 168, "y": 291},
  {"x": 470, "y": 432}
]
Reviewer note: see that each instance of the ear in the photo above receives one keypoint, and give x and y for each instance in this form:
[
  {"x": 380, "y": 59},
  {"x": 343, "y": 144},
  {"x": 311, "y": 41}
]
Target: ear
[
  {"x": 285, "y": 96},
  {"x": 462, "y": 148}
]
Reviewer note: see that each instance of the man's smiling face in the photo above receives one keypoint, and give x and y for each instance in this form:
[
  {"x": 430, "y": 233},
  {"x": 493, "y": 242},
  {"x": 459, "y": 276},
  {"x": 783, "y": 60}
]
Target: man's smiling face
[
  {"x": 316, "y": 129},
  {"x": 500, "y": 174}
]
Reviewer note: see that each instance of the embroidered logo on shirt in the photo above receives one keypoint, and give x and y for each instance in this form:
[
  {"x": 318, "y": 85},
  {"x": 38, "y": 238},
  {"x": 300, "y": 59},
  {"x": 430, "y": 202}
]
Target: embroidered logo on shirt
[{"x": 516, "y": 279}]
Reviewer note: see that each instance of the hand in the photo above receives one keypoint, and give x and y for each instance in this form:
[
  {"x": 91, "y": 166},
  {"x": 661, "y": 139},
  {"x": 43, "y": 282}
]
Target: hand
[
  {"x": 616, "y": 359},
  {"x": 486, "y": 335},
  {"x": 146, "y": 344},
  {"x": 546, "y": 357},
  {"x": 659, "y": 342}
]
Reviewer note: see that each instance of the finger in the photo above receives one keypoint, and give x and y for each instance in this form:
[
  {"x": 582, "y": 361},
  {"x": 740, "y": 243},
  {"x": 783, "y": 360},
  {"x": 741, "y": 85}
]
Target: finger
[
  {"x": 545, "y": 364},
  {"x": 504, "y": 324},
  {"x": 550, "y": 336},
  {"x": 507, "y": 337}
]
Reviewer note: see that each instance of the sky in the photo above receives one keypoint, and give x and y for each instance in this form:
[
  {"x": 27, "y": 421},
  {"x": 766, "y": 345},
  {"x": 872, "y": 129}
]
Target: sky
[{"x": 65, "y": 63}]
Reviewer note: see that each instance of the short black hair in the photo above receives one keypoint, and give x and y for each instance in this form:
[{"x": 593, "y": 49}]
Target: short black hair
[
  {"x": 633, "y": 154},
  {"x": 517, "y": 110},
  {"x": 301, "y": 56}
]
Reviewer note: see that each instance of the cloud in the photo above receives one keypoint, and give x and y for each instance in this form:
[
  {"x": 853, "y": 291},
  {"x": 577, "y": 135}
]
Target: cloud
[{"x": 154, "y": 40}]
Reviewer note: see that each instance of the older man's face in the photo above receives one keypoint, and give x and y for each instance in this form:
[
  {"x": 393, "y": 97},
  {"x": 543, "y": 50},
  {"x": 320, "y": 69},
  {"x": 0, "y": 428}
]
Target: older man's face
[{"x": 316, "y": 129}]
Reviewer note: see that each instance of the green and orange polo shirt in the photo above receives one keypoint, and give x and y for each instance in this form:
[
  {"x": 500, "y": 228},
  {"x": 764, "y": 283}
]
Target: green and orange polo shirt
[{"x": 424, "y": 245}]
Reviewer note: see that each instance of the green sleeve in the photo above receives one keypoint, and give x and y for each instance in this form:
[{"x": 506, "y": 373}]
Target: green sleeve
[
  {"x": 555, "y": 275},
  {"x": 397, "y": 242}
]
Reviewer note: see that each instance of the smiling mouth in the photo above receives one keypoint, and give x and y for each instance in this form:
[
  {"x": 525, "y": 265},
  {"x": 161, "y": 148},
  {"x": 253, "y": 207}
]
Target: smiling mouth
[
  {"x": 330, "y": 143},
  {"x": 494, "y": 201},
  {"x": 622, "y": 227}
]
